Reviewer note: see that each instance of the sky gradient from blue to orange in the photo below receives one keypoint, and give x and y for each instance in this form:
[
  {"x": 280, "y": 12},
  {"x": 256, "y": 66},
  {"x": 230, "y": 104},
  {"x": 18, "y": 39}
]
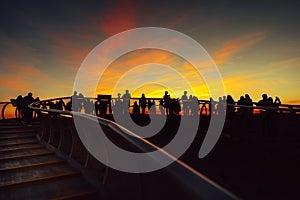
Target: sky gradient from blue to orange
[{"x": 255, "y": 44}]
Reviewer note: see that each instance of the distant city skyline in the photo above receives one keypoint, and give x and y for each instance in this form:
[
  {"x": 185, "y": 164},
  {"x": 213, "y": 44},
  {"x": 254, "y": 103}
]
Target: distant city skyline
[{"x": 255, "y": 44}]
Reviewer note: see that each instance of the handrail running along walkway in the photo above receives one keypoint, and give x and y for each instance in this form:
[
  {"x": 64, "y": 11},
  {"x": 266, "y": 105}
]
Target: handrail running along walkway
[{"x": 198, "y": 184}]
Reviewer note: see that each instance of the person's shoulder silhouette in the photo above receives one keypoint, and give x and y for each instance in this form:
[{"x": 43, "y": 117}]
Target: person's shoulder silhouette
[
  {"x": 248, "y": 100},
  {"x": 127, "y": 95},
  {"x": 263, "y": 101},
  {"x": 184, "y": 96},
  {"x": 230, "y": 100},
  {"x": 241, "y": 101},
  {"x": 75, "y": 95}
]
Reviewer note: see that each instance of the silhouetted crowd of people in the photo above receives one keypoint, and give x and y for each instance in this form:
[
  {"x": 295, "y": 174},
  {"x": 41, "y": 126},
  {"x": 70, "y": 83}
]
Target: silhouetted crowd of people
[{"x": 186, "y": 106}]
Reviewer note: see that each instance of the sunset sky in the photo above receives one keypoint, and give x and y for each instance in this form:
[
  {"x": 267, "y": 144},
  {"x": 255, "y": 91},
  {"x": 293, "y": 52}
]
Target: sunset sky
[{"x": 255, "y": 44}]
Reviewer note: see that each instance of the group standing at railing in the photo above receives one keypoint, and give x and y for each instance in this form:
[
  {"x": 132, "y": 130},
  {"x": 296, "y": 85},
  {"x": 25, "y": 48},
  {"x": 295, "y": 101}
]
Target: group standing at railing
[
  {"x": 22, "y": 109},
  {"x": 166, "y": 105},
  {"x": 104, "y": 105}
]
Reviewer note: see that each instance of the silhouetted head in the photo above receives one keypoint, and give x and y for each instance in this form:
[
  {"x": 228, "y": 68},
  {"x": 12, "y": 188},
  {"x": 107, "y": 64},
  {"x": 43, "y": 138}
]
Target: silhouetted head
[
  {"x": 270, "y": 100},
  {"x": 264, "y": 96},
  {"x": 143, "y": 95},
  {"x": 242, "y": 98},
  {"x": 229, "y": 98},
  {"x": 185, "y": 92},
  {"x": 30, "y": 94},
  {"x": 119, "y": 94},
  {"x": 247, "y": 96},
  {"x": 127, "y": 91},
  {"x": 166, "y": 92},
  {"x": 75, "y": 93}
]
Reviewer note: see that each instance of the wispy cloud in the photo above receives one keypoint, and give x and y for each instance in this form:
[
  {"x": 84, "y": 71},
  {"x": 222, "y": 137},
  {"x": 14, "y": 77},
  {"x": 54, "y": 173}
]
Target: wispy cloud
[
  {"x": 287, "y": 63},
  {"x": 236, "y": 45},
  {"x": 13, "y": 83}
]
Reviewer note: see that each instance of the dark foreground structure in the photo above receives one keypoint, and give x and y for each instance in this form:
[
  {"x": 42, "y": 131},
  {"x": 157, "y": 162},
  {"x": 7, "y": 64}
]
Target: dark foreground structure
[{"x": 47, "y": 160}]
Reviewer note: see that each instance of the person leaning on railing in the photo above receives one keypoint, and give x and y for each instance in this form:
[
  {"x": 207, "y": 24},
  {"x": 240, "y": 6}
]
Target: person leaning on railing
[{"x": 27, "y": 112}]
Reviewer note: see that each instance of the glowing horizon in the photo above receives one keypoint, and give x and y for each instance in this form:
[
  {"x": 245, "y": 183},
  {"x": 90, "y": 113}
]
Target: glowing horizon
[{"x": 254, "y": 54}]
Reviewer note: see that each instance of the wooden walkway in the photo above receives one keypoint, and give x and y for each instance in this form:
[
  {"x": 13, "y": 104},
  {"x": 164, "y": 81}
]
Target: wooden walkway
[{"x": 28, "y": 170}]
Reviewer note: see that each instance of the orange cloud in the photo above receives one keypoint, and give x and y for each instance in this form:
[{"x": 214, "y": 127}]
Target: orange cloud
[
  {"x": 67, "y": 45},
  {"x": 118, "y": 16},
  {"x": 15, "y": 83},
  {"x": 234, "y": 46},
  {"x": 25, "y": 70}
]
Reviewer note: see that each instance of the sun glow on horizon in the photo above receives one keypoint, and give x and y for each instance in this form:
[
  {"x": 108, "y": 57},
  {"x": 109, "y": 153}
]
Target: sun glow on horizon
[{"x": 152, "y": 72}]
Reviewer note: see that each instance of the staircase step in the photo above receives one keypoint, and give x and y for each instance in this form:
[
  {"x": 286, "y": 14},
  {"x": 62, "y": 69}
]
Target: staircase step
[
  {"x": 33, "y": 165},
  {"x": 19, "y": 130},
  {"x": 69, "y": 187},
  {"x": 9, "y": 121},
  {"x": 20, "y": 146},
  {"x": 17, "y": 127},
  {"x": 24, "y": 154},
  {"x": 18, "y": 143},
  {"x": 16, "y": 121},
  {"x": 78, "y": 195},
  {"x": 41, "y": 173},
  {"x": 27, "y": 161},
  {"x": 8, "y": 150},
  {"x": 16, "y": 136},
  {"x": 10, "y": 142}
]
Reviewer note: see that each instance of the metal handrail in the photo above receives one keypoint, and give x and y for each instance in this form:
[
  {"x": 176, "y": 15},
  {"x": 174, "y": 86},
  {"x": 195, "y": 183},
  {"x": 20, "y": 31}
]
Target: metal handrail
[
  {"x": 3, "y": 108},
  {"x": 179, "y": 168},
  {"x": 282, "y": 107}
]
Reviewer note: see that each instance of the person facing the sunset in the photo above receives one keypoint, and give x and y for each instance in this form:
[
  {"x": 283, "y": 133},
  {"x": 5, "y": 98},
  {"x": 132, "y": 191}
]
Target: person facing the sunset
[
  {"x": 143, "y": 103},
  {"x": 185, "y": 104},
  {"x": 126, "y": 101},
  {"x": 166, "y": 99},
  {"x": 263, "y": 101},
  {"x": 27, "y": 100}
]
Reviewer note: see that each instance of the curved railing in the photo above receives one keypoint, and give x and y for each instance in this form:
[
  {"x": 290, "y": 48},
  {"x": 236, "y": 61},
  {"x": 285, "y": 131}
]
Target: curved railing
[
  {"x": 59, "y": 133},
  {"x": 4, "y": 105},
  {"x": 204, "y": 106}
]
